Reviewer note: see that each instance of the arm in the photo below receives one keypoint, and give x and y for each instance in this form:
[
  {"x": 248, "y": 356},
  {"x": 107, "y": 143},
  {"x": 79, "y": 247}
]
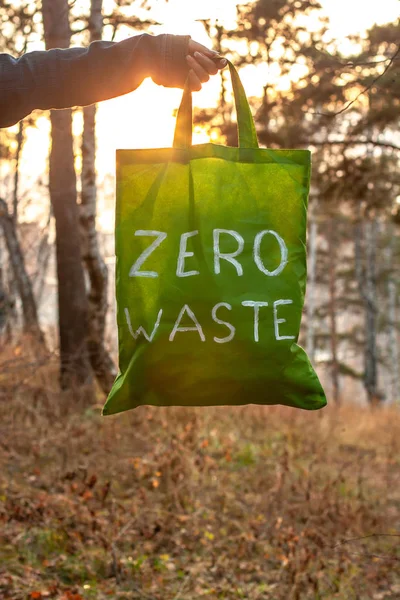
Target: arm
[{"x": 82, "y": 76}]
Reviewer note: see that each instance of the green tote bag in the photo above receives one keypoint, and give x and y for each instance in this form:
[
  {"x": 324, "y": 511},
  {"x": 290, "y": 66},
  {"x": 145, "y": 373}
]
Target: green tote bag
[{"x": 211, "y": 272}]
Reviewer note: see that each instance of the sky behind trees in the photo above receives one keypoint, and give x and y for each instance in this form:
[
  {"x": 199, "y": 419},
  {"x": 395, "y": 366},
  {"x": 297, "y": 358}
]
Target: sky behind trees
[{"x": 145, "y": 118}]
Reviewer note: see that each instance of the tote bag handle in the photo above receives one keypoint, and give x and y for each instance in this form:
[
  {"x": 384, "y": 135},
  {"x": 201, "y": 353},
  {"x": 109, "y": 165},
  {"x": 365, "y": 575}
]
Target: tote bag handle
[{"x": 246, "y": 129}]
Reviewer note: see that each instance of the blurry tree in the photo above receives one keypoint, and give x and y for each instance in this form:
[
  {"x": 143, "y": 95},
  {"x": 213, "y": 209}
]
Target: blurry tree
[
  {"x": 392, "y": 293},
  {"x": 3, "y": 295},
  {"x": 366, "y": 231},
  {"x": 90, "y": 312},
  {"x": 373, "y": 187},
  {"x": 18, "y": 24},
  {"x": 24, "y": 285},
  {"x": 332, "y": 303},
  {"x": 72, "y": 298},
  {"x": 341, "y": 106},
  {"x": 272, "y": 34},
  {"x": 43, "y": 256},
  {"x": 312, "y": 276},
  {"x": 337, "y": 313},
  {"x": 365, "y": 186},
  {"x": 100, "y": 359},
  {"x": 79, "y": 317},
  {"x": 18, "y": 27},
  {"x": 126, "y": 14}
]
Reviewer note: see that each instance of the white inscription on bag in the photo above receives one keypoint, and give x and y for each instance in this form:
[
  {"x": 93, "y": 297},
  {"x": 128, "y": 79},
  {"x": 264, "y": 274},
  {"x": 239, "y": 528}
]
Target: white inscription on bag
[{"x": 186, "y": 313}]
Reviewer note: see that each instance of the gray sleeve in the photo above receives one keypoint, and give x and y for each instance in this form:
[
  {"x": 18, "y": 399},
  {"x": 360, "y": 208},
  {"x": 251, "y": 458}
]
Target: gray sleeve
[{"x": 62, "y": 78}]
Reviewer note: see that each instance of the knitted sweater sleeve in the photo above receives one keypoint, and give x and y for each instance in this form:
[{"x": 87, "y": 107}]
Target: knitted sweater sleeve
[{"x": 62, "y": 78}]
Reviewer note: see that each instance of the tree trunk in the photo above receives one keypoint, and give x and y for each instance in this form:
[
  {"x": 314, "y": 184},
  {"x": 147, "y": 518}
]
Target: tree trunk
[
  {"x": 392, "y": 305},
  {"x": 371, "y": 357},
  {"x": 9, "y": 297},
  {"x": 43, "y": 259},
  {"x": 3, "y": 294},
  {"x": 100, "y": 359},
  {"x": 20, "y": 137},
  {"x": 366, "y": 277},
  {"x": 394, "y": 346},
  {"x": 332, "y": 310},
  {"x": 311, "y": 287},
  {"x": 24, "y": 286},
  {"x": 72, "y": 298}
]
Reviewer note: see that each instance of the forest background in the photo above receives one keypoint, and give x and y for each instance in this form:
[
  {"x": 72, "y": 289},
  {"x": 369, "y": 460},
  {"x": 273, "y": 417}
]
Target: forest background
[{"x": 319, "y": 75}]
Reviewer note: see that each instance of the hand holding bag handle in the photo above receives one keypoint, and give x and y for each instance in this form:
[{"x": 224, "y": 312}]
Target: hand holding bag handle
[{"x": 246, "y": 129}]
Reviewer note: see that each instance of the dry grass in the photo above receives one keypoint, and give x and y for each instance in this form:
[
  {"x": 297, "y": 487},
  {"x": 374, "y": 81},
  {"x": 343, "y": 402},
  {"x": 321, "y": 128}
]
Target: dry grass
[{"x": 260, "y": 503}]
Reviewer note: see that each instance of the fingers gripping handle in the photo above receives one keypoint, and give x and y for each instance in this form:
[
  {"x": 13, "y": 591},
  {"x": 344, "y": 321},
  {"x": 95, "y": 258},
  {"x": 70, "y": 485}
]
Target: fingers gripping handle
[{"x": 246, "y": 129}]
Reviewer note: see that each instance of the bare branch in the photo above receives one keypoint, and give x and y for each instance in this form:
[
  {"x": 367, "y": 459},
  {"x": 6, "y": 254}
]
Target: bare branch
[
  {"x": 363, "y": 91},
  {"x": 352, "y": 142},
  {"x": 81, "y": 30},
  {"x": 352, "y": 64}
]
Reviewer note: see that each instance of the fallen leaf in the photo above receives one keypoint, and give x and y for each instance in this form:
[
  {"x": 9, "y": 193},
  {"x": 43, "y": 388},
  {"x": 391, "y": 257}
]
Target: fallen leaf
[
  {"x": 87, "y": 494},
  {"x": 92, "y": 481}
]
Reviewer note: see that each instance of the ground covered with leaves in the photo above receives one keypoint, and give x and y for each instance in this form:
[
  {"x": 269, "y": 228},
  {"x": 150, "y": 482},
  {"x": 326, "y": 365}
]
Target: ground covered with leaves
[{"x": 260, "y": 503}]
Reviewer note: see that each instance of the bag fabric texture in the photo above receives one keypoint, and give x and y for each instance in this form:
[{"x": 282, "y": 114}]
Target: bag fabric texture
[{"x": 211, "y": 272}]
